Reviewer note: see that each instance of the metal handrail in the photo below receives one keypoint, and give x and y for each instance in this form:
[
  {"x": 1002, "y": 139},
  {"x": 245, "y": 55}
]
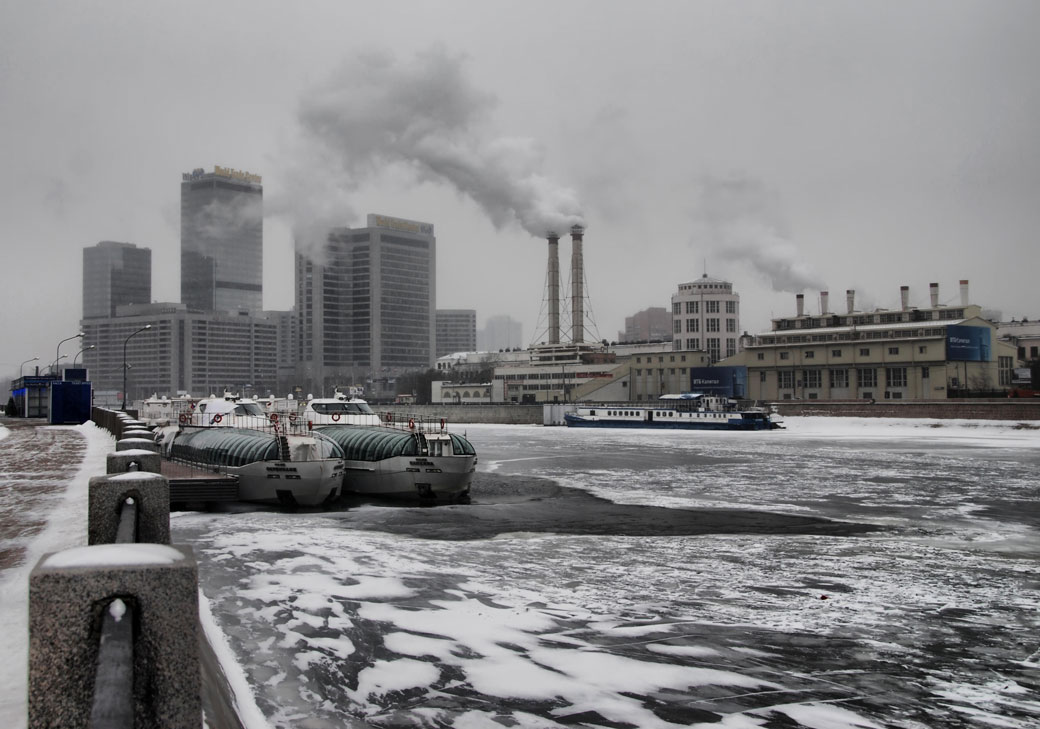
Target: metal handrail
[{"x": 113, "y": 705}]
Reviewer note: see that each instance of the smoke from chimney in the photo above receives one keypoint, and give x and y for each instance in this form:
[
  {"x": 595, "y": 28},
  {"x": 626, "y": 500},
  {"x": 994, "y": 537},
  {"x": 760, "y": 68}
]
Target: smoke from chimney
[
  {"x": 904, "y": 297},
  {"x": 850, "y": 299},
  {"x": 423, "y": 117},
  {"x": 741, "y": 218},
  {"x": 933, "y": 292}
]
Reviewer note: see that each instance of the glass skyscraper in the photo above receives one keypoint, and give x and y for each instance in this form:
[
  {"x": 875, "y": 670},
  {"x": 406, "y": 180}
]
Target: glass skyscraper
[
  {"x": 368, "y": 305},
  {"x": 115, "y": 274},
  {"x": 222, "y": 242}
]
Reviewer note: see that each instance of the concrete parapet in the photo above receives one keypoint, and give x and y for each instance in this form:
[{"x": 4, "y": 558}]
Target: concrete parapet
[
  {"x": 106, "y": 494},
  {"x": 136, "y": 433},
  {"x": 141, "y": 444},
  {"x": 68, "y": 593},
  {"x": 119, "y": 462}
]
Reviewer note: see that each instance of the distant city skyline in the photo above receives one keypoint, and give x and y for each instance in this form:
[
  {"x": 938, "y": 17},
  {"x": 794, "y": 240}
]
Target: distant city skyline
[{"x": 788, "y": 148}]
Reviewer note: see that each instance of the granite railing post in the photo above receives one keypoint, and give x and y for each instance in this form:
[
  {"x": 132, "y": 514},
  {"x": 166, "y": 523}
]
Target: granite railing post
[{"x": 113, "y": 627}]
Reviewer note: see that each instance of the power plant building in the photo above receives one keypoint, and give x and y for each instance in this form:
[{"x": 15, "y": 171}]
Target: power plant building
[
  {"x": 706, "y": 315},
  {"x": 367, "y": 302},
  {"x": 928, "y": 353},
  {"x": 222, "y": 243},
  {"x": 115, "y": 274}
]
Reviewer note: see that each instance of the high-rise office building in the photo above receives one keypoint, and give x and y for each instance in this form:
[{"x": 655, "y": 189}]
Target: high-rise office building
[
  {"x": 649, "y": 325},
  {"x": 500, "y": 332},
  {"x": 222, "y": 243},
  {"x": 200, "y": 353},
  {"x": 456, "y": 331},
  {"x": 367, "y": 302},
  {"x": 115, "y": 274}
]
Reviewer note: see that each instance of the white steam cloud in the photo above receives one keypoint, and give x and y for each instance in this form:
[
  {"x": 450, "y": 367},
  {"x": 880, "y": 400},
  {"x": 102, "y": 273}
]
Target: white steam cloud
[
  {"x": 738, "y": 217},
  {"x": 423, "y": 116}
]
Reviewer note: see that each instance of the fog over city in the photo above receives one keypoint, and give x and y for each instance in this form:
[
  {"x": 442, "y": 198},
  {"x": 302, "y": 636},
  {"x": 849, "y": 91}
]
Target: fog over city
[{"x": 787, "y": 147}]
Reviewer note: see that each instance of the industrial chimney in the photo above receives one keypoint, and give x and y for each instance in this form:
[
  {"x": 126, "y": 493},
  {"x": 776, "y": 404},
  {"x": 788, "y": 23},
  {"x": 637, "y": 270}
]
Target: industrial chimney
[
  {"x": 933, "y": 291},
  {"x": 554, "y": 287},
  {"x": 964, "y": 292},
  {"x": 577, "y": 286},
  {"x": 850, "y": 299},
  {"x": 904, "y": 297},
  {"x": 800, "y": 302},
  {"x": 824, "y": 297}
]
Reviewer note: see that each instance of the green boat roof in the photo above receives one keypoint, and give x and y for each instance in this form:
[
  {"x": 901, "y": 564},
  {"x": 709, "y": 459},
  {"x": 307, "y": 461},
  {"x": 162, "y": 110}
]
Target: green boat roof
[
  {"x": 360, "y": 443},
  {"x": 225, "y": 446}
]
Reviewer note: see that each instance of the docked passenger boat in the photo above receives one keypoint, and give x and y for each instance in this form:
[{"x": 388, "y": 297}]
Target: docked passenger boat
[
  {"x": 413, "y": 459},
  {"x": 274, "y": 463},
  {"x": 688, "y": 411},
  {"x": 339, "y": 410}
]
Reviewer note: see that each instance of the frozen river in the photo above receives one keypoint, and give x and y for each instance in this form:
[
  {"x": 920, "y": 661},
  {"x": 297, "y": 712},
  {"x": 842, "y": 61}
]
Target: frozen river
[{"x": 841, "y": 573}]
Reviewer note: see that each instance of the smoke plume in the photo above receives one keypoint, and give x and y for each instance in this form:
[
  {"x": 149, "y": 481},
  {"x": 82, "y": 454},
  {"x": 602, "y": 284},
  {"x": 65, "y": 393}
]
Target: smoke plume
[
  {"x": 426, "y": 117},
  {"x": 740, "y": 218}
]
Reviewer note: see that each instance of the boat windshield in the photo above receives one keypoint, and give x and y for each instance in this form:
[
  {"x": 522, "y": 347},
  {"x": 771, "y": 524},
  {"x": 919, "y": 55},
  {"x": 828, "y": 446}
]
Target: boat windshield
[
  {"x": 353, "y": 408},
  {"x": 248, "y": 408}
]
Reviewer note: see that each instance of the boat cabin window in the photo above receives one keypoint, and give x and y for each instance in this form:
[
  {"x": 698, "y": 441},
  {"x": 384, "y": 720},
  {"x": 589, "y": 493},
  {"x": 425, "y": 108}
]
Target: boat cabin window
[
  {"x": 248, "y": 408},
  {"x": 353, "y": 408}
]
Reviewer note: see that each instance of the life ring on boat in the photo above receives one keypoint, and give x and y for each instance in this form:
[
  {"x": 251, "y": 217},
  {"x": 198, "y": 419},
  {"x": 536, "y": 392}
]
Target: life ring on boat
[
  {"x": 411, "y": 424},
  {"x": 292, "y": 418},
  {"x": 335, "y": 417},
  {"x": 217, "y": 418},
  {"x": 442, "y": 423},
  {"x": 389, "y": 417},
  {"x": 183, "y": 418},
  {"x": 274, "y": 418}
]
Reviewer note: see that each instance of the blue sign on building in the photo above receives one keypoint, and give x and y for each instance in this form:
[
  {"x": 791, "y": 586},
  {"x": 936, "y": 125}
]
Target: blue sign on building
[
  {"x": 967, "y": 344},
  {"x": 721, "y": 381}
]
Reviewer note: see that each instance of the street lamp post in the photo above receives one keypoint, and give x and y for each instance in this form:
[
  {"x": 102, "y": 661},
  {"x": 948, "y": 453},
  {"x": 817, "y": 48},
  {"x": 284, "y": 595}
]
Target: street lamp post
[
  {"x": 54, "y": 366},
  {"x": 145, "y": 327},
  {"x": 34, "y": 359},
  {"x": 57, "y": 350},
  {"x": 92, "y": 346}
]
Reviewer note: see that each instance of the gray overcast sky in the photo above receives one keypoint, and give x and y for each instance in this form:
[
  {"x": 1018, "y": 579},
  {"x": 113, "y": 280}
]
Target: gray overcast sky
[{"x": 790, "y": 145}]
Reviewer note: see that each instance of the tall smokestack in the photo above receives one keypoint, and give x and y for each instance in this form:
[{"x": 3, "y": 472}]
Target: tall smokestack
[
  {"x": 824, "y": 301},
  {"x": 933, "y": 292},
  {"x": 964, "y": 292},
  {"x": 904, "y": 297},
  {"x": 850, "y": 299},
  {"x": 577, "y": 286},
  {"x": 554, "y": 288},
  {"x": 799, "y": 300}
]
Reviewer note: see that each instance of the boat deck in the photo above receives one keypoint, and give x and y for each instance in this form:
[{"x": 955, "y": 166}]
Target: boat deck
[{"x": 193, "y": 484}]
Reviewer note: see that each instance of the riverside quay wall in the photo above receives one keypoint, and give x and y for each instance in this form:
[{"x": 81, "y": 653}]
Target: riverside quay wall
[
  {"x": 475, "y": 413},
  {"x": 996, "y": 409},
  {"x": 1018, "y": 409}
]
